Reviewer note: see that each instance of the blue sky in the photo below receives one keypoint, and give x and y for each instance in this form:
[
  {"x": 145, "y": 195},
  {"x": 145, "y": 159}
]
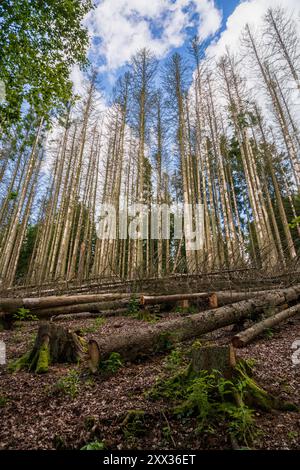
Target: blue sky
[{"x": 119, "y": 28}]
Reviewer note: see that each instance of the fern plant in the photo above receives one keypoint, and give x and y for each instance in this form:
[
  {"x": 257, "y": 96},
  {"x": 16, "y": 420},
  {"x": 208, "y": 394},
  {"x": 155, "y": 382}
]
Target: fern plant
[
  {"x": 96, "y": 445},
  {"x": 23, "y": 314}
]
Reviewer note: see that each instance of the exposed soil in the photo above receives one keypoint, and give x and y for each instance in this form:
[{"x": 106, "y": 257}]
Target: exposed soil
[{"x": 36, "y": 415}]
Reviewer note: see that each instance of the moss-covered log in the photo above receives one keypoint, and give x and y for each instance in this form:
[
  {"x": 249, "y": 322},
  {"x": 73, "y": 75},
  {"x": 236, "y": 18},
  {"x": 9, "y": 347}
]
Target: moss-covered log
[{"x": 53, "y": 344}]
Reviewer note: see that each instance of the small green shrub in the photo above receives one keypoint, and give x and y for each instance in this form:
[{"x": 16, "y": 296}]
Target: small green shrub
[
  {"x": 133, "y": 306},
  {"x": 134, "y": 424},
  {"x": 23, "y": 314},
  {"x": 212, "y": 399},
  {"x": 293, "y": 435},
  {"x": 269, "y": 333},
  {"x": 3, "y": 401},
  {"x": 190, "y": 310},
  {"x": 96, "y": 445},
  {"x": 174, "y": 359},
  {"x": 112, "y": 364},
  {"x": 69, "y": 384},
  {"x": 98, "y": 322}
]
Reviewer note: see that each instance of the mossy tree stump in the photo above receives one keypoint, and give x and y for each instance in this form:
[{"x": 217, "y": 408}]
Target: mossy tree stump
[
  {"x": 223, "y": 359},
  {"x": 53, "y": 344}
]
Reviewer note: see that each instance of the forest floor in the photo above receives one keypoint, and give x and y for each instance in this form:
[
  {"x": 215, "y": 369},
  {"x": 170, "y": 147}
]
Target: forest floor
[{"x": 60, "y": 410}]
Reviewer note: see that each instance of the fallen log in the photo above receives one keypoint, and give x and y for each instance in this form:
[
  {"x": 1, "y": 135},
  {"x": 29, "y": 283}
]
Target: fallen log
[
  {"x": 97, "y": 307},
  {"x": 242, "y": 339},
  {"x": 11, "y": 305},
  {"x": 229, "y": 297},
  {"x": 84, "y": 315},
  {"x": 161, "y": 299},
  {"x": 162, "y": 336},
  {"x": 215, "y": 299}
]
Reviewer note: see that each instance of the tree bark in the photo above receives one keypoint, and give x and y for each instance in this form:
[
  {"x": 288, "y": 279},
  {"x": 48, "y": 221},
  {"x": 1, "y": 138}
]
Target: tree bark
[
  {"x": 162, "y": 336},
  {"x": 53, "y": 344},
  {"x": 242, "y": 339},
  {"x": 11, "y": 305}
]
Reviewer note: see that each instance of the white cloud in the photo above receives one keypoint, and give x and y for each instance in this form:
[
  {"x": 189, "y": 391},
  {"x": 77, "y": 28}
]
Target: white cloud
[
  {"x": 78, "y": 79},
  {"x": 124, "y": 26},
  {"x": 248, "y": 11}
]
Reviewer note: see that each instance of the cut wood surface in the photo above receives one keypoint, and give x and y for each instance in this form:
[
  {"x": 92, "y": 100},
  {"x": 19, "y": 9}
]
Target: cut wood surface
[
  {"x": 245, "y": 337},
  {"x": 157, "y": 337}
]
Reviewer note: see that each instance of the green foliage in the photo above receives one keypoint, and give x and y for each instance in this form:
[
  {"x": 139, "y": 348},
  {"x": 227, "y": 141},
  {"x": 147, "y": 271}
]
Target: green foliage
[
  {"x": 134, "y": 424},
  {"x": 95, "y": 445},
  {"x": 23, "y": 314},
  {"x": 12, "y": 195},
  {"x": 135, "y": 312},
  {"x": 174, "y": 360},
  {"x": 98, "y": 322},
  {"x": 191, "y": 309},
  {"x": 69, "y": 384},
  {"x": 112, "y": 364},
  {"x": 269, "y": 333},
  {"x": 133, "y": 306},
  {"x": 40, "y": 41},
  {"x": 26, "y": 251},
  {"x": 293, "y": 435},
  {"x": 212, "y": 399},
  {"x": 145, "y": 315},
  {"x": 295, "y": 222},
  {"x": 3, "y": 401}
]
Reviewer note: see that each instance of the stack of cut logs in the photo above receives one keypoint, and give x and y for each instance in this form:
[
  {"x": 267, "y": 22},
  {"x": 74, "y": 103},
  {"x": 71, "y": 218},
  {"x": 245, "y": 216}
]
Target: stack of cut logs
[{"x": 216, "y": 310}]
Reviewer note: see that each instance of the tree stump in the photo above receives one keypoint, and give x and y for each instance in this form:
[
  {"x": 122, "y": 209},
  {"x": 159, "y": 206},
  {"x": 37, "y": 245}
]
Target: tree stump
[
  {"x": 212, "y": 357},
  {"x": 53, "y": 344}
]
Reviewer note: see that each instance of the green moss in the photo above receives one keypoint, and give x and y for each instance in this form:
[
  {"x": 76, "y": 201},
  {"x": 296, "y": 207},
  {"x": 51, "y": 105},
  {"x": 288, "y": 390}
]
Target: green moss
[
  {"x": 97, "y": 324},
  {"x": 3, "y": 401},
  {"x": 260, "y": 398},
  {"x": 133, "y": 424},
  {"x": 215, "y": 400},
  {"x": 43, "y": 361},
  {"x": 22, "y": 363}
]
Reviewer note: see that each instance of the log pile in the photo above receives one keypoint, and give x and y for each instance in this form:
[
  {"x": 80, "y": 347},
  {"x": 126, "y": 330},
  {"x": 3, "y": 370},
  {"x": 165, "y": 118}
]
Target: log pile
[
  {"x": 164, "y": 335},
  {"x": 110, "y": 304},
  {"x": 153, "y": 338}
]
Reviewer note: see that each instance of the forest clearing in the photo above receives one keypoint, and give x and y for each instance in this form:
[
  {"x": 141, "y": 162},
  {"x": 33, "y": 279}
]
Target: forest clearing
[
  {"x": 149, "y": 225},
  {"x": 135, "y": 416}
]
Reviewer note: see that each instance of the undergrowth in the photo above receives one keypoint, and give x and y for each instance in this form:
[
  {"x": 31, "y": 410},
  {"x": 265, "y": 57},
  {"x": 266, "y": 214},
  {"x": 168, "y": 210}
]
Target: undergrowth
[
  {"x": 112, "y": 364},
  {"x": 23, "y": 314},
  {"x": 69, "y": 384},
  {"x": 214, "y": 400},
  {"x": 134, "y": 311},
  {"x": 96, "y": 325},
  {"x": 95, "y": 445}
]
